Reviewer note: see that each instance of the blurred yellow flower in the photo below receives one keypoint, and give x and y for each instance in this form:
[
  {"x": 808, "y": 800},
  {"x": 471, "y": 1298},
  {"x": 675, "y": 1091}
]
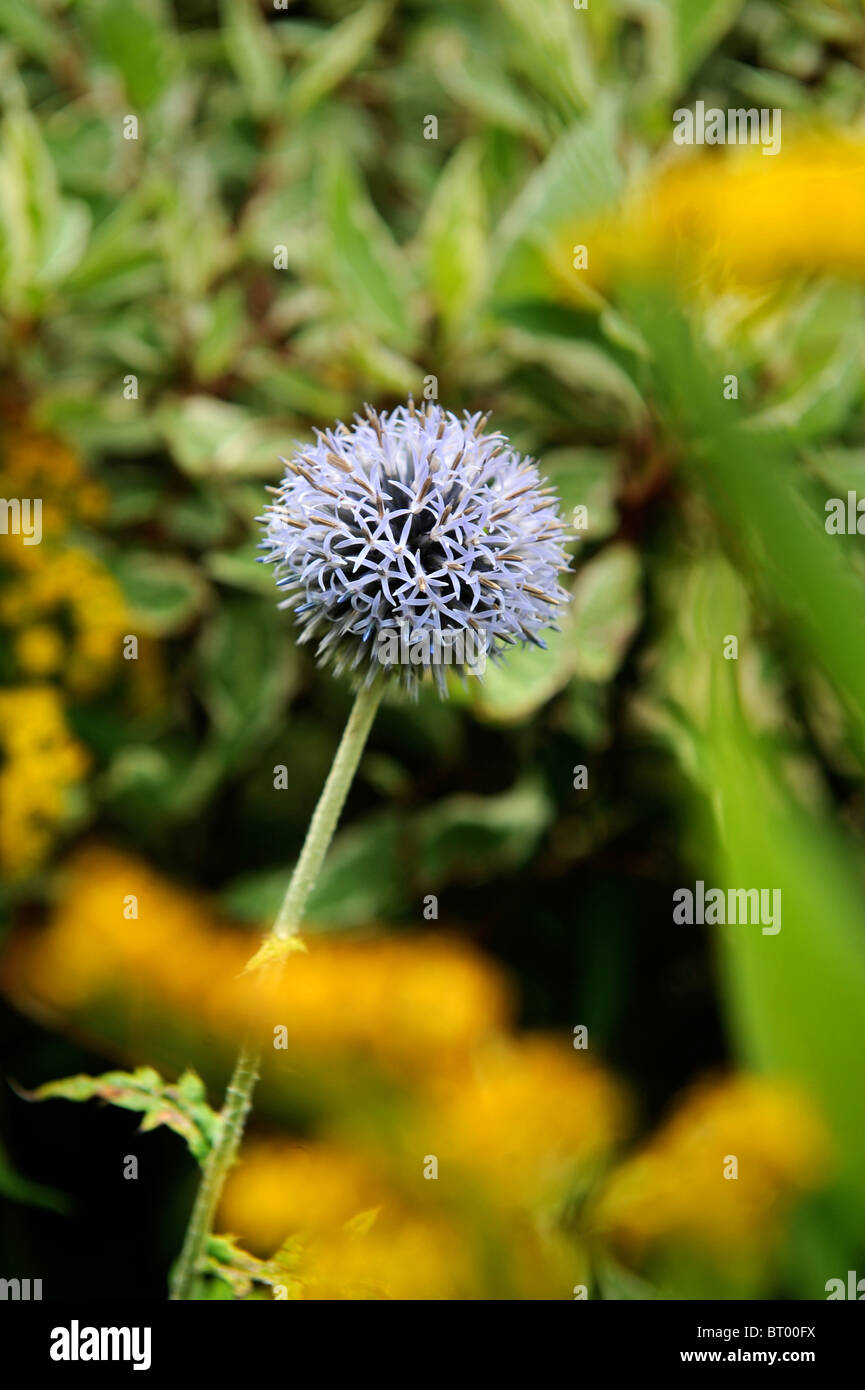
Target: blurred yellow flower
[
  {"x": 39, "y": 650},
  {"x": 528, "y": 1119},
  {"x": 404, "y": 1000},
  {"x": 387, "y": 1256},
  {"x": 721, "y": 1173},
  {"x": 281, "y": 1187},
  {"x": 732, "y": 219},
  {"x": 66, "y": 584},
  {"x": 41, "y": 763},
  {"x": 34, "y": 464},
  {"x": 367, "y": 1228}
]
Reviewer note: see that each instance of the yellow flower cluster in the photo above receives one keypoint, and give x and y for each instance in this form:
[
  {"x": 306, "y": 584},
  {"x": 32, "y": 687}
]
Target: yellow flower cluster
[
  {"x": 389, "y": 1256},
  {"x": 465, "y": 1169},
  {"x": 398, "y": 1000},
  {"x": 524, "y": 1119},
  {"x": 56, "y": 587},
  {"x": 35, "y": 464},
  {"x": 721, "y": 1173},
  {"x": 41, "y": 763},
  {"x": 731, "y": 220},
  {"x": 53, "y": 584},
  {"x": 368, "y": 1229}
]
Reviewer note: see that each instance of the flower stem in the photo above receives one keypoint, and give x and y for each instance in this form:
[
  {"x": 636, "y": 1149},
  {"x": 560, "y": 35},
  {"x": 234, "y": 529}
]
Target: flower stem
[{"x": 238, "y": 1096}]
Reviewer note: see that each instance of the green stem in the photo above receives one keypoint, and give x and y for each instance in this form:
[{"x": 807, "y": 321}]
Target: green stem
[{"x": 238, "y": 1096}]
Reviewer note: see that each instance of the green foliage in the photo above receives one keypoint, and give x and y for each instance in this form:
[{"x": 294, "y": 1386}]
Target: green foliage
[
  {"x": 181, "y": 1106},
  {"x": 282, "y": 242}
]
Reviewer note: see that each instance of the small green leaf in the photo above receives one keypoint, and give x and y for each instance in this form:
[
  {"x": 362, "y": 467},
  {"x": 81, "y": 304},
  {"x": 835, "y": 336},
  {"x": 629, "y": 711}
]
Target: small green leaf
[
  {"x": 181, "y": 1107},
  {"x": 335, "y": 55},
  {"x": 32, "y": 1194}
]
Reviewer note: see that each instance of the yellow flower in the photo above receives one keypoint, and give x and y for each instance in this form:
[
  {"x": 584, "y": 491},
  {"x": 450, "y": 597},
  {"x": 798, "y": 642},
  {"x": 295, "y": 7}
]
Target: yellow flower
[
  {"x": 680, "y": 1188},
  {"x": 41, "y": 763},
  {"x": 69, "y": 583},
  {"x": 732, "y": 220},
  {"x": 403, "y": 1001},
  {"x": 34, "y": 464},
  {"x": 39, "y": 650},
  {"x": 527, "y": 1120},
  {"x": 390, "y": 1257},
  {"x": 282, "y": 1187},
  {"x": 366, "y": 1228}
]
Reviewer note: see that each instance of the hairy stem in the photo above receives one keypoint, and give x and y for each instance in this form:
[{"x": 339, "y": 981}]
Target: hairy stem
[{"x": 238, "y": 1096}]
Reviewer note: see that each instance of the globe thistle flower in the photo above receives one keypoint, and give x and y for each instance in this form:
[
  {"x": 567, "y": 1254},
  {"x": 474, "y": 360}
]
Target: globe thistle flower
[{"x": 414, "y": 542}]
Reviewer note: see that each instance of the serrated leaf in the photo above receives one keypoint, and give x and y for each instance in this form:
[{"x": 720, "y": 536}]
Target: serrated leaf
[
  {"x": 181, "y": 1107},
  {"x": 227, "y": 1261}
]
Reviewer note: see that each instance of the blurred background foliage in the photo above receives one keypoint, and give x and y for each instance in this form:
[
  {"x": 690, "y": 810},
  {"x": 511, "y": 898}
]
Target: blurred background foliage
[{"x": 288, "y": 235}]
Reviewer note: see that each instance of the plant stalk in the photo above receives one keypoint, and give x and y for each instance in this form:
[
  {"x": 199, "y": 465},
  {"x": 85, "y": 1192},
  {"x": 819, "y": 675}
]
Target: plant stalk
[{"x": 238, "y": 1096}]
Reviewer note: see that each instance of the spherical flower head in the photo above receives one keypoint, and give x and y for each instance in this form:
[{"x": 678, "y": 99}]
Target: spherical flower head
[{"x": 413, "y": 543}]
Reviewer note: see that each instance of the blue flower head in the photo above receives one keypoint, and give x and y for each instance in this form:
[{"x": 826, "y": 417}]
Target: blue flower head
[{"x": 415, "y": 542}]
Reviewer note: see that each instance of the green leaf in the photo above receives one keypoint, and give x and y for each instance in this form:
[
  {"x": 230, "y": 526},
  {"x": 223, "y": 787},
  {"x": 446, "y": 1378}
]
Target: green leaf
[
  {"x": 527, "y": 678},
  {"x": 362, "y": 262},
  {"x": 453, "y": 238},
  {"x": 209, "y": 436},
  {"x": 247, "y": 669},
  {"x": 181, "y": 1107},
  {"x": 38, "y": 34},
  {"x": 470, "y": 838},
  {"x": 586, "y": 478},
  {"x": 473, "y": 78},
  {"x": 363, "y": 881},
  {"x": 795, "y": 998},
  {"x": 551, "y": 48},
  {"x": 163, "y": 592},
  {"x": 607, "y": 611},
  {"x": 32, "y": 1194},
  {"x": 335, "y": 55},
  {"x": 617, "y": 1284},
  {"x": 253, "y": 54},
  {"x": 680, "y": 33},
  {"x": 138, "y": 41},
  {"x": 580, "y": 178},
  {"x": 583, "y": 367},
  {"x": 220, "y": 326},
  {"x": 227, "y": 1262},
  {"x": 752, "y": 480}
]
